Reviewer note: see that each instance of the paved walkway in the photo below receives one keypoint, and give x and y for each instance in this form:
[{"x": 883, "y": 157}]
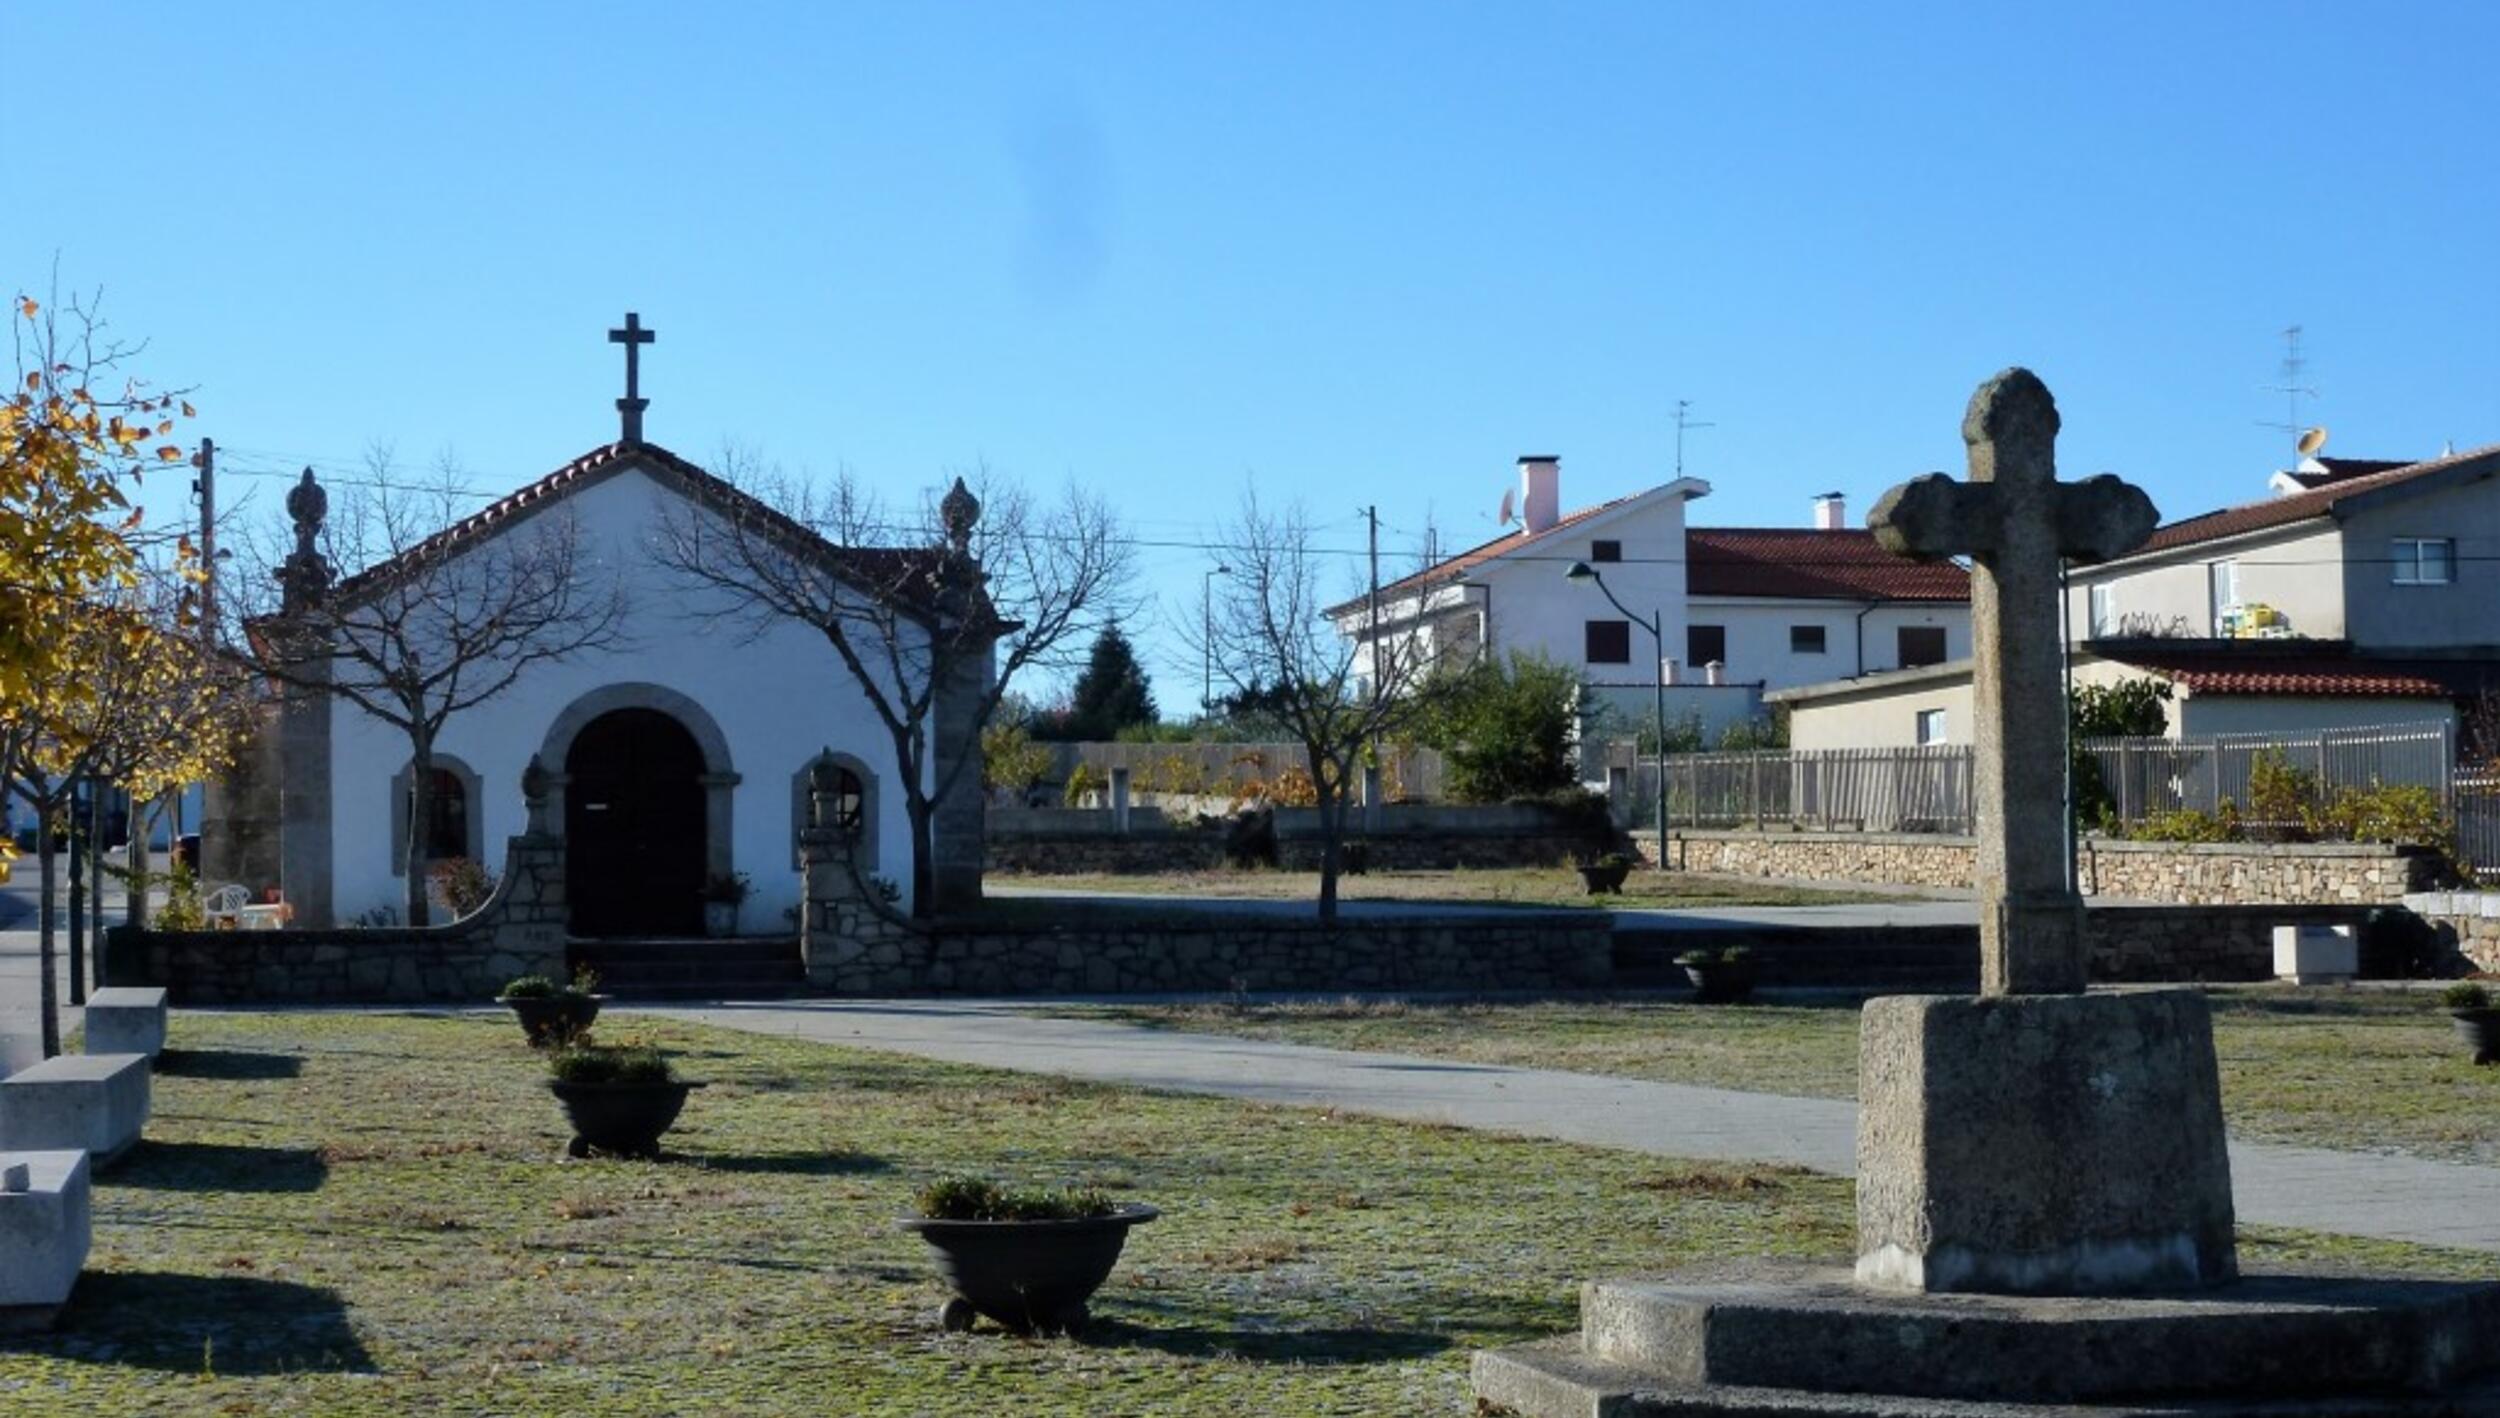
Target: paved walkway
[{"x": 2361, "y": 1194}]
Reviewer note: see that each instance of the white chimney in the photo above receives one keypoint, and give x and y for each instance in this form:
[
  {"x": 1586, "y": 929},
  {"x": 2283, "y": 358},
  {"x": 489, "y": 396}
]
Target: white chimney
[
  {"x": 1716, "y": 671},
  {"x": 1831, "y": 513},
  {"x": 1666, "y": 671},
  {"x": 1540, "y": 491}
]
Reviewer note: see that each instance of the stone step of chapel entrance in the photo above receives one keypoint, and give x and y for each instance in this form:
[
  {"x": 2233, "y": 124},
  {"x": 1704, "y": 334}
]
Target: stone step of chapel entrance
[{"x": 659, "y": 968}]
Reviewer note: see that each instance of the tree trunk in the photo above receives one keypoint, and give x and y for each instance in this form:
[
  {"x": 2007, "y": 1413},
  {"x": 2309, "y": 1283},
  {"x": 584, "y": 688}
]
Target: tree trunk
[
  {"x": 136, "y": 861},
  {"x": 420, "y": 816},
  {"x": 1331, "y": 829},
  {"x": 47, "y": 990},
  {"x": 95, "y": 882},
  {"x": 923, "y": 852},
  {"x": 81, "y": 846}
]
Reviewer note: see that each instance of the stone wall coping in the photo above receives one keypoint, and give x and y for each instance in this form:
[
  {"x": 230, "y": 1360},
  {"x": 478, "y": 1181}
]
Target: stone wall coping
[
  {"x": 2485, "y": 904},
  {"x": 1142, "y": 920}
]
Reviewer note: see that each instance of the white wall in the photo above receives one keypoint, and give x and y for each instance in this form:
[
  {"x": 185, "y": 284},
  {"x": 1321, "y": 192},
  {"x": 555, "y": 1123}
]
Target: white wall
[
  {"x": 2464, "y": 613},
  {"x": 2298, "y": 571},
  {"x": 1883, "y": 719},
  {"x": 1758, "y": 636},
  {"x": 1530, "y": 606},
  {"x": 778, "y": 699}
]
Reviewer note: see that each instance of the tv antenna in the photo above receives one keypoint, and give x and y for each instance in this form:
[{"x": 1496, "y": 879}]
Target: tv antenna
[
  {"x": 1683, "y": 421},
  {"x": 2291, "y": 389}
]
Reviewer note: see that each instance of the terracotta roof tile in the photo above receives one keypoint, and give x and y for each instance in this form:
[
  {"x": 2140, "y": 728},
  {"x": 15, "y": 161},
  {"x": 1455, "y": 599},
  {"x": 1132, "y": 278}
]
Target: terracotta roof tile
[
  {"x": 2301, "y": 506},
  {"x": 2218, "y": 670},
  {"x": 1809, "y": 564},
  {"x": 1453, "y": 567}
]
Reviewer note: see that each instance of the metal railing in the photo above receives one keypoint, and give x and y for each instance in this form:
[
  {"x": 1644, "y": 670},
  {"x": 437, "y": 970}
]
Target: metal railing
[
  {"x": 2477, "y": 805},
  {"x": 1930, "y": 789}
]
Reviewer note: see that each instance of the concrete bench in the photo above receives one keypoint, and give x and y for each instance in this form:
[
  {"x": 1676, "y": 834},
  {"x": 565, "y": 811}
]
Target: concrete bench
[
  {"x": 126, "y": 1020},
  {"x": 95, "y": 1103},
  {"x": 44, "y": 1231},
  {"x": 2316, "y": 955}
]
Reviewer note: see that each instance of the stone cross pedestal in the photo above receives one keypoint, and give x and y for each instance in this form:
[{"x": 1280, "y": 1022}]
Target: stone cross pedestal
[{"x": 2015, "y": 520}]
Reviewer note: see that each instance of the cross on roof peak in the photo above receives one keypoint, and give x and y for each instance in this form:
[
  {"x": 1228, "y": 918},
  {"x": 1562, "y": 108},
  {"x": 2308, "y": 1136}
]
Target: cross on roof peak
[{"x": 633, "y": 337}]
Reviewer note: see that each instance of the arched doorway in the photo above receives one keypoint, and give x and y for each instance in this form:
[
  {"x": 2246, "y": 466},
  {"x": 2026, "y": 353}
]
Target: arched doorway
[{"x": 636, "y": 843}]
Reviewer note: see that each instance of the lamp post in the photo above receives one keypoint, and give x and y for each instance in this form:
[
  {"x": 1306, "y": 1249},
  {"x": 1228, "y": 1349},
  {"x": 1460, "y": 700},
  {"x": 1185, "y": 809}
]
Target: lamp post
[
  {"x": 1206, "y": 641},
  {"x": 1581, "y": 573}
]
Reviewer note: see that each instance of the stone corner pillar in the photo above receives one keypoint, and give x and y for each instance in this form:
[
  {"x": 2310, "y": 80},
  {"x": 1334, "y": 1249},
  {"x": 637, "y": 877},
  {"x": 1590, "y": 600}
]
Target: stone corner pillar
[
  {"x": 961, "y": 817},
  {"x": 304, "y": 804},
  {"x": 2042, "y": 1145}
]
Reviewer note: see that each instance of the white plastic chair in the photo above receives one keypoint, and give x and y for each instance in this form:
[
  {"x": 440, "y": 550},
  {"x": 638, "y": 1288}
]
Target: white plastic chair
[{"x": 225, "y": 904}]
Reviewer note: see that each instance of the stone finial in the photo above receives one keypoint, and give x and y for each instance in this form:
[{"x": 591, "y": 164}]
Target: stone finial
[
  {"x": 534, "y": 787},
  {"x": 306, "y": 574},
  {"x": 959, "y": 510},
  {"x": 309, "y": 505}
]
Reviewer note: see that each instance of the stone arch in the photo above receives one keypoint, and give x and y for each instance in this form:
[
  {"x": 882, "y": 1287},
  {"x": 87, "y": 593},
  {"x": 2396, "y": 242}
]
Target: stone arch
[
  {"x": 473, "y": 809},
  {"x": 867, "y": 854},
  {"x": 720, "y": 777}
]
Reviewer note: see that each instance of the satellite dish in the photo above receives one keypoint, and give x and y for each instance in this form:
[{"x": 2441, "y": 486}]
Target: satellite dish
[
  {"x": 1508, "y": 515},
  {"x": 2311, "y": 440}
]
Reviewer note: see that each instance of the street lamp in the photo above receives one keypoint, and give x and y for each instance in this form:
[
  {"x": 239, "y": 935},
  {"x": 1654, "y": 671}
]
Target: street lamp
[
  {"x": 1583, "y": 574},
  {"x": 1206, "y": 641}
]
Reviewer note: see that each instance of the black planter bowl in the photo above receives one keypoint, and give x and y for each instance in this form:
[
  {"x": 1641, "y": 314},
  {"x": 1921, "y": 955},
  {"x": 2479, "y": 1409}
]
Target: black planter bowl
[
  {"x": 549, "y": 1020},
  {"x": 625, "y": 1119},
  {"x": 1722, "y": 982},
  {"x": 1029, "y": 1276},
  {"x": 2480, "y": 1029},
  {"x": 1600, "y": 880}
]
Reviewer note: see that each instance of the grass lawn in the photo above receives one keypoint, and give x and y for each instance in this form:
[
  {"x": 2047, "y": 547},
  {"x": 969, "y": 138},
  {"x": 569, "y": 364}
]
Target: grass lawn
[
  {"x": 1509, "y": 886},
  {"x": 2363, "y": 1069},
  {"x": 363, "y": 1214}
]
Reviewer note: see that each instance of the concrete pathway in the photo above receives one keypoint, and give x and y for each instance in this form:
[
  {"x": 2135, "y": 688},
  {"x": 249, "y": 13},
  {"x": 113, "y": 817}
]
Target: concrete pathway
[{"x": 2360, "y": 1194}]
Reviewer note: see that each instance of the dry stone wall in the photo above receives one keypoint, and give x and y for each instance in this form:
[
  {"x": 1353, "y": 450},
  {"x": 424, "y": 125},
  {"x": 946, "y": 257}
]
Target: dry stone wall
[
  {"x": 2467, "y": 920},
  {"x": 2186, "y": 873},
  {"x": 519, "y": 931}
]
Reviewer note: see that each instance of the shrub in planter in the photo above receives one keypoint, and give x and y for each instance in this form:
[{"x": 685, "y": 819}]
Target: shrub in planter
[
  {"x": 1027, "y": 1259},
  {"x": 553, "y": 1014},
  {"x": 618, "y": 1097},
  {"x": 723, "y": 894},
  {"x": 2396, "y": 944},
  {"x": 1719, "y": 976},
  {"x": 2477, "y": 1023}
]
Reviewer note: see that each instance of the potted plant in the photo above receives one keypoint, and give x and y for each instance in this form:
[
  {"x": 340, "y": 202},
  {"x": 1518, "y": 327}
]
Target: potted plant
[
  {"x": 553, "y": 1014},
  {"x": 723, "y": 894},
  {"x": 1719, "y": 976},
  {"x": 619, "y": 1097},
  {"x": 2478, "y": 1023},
  {"x": 1027, "y": 1259},
  {"x": 1605, "y": 873}
]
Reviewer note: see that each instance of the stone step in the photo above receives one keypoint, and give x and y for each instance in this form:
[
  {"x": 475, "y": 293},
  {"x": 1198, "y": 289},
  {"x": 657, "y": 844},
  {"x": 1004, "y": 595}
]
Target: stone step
[{"x": 1556, "y": 1379}]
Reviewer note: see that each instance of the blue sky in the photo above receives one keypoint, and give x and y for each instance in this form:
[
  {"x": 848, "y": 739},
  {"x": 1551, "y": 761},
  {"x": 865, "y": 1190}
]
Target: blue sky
[{"x": 1358, "y": 254}]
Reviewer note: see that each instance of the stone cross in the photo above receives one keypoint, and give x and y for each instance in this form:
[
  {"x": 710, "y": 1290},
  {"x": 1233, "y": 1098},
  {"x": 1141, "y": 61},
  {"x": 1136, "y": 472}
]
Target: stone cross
[
  {"x": 2015, "y": 520},
  {"x": 633, "y": 337}
]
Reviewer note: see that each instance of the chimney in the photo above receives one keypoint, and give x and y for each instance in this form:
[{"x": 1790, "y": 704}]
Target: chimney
[
  {"x": 1716, "y": 671},
  {"x": 1666, "y": 671},
  {"x": 1540, "y": 491},
  {"x": 1831, "y": 513}
]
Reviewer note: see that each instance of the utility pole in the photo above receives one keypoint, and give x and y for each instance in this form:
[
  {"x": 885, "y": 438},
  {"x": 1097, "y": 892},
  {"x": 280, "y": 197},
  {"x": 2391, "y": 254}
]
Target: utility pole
[
  {"x": 206, "y": 486},
  {"x": 1371, "y": 514}
]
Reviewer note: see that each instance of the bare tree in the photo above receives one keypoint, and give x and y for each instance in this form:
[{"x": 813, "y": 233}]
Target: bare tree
[
  {"x": 933, "y": 612},
  {"x": 1268, "y": 634},
  {"x": 443, "y": 616}
]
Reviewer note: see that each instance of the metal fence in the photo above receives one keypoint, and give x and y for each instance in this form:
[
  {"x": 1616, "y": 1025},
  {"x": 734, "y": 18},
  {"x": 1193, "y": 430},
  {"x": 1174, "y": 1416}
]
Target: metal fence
[
  {"x": 2144, "y": 776},
  {"x": 1930, "y": 789},
  {"x": 2477, "y": 798}
]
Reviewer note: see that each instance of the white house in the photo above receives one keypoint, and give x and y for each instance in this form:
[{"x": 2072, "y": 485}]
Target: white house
[
  {"x": 676, "y": 756},
  {"x": 1739, "y": 610},
  {"x": 2360, "y": 593}
]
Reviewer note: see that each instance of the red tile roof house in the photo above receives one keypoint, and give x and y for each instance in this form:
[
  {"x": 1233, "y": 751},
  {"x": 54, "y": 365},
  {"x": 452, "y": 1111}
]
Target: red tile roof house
[
  {"x": 1741, "y": 609},
  {"x": 2363, "y": 593}
]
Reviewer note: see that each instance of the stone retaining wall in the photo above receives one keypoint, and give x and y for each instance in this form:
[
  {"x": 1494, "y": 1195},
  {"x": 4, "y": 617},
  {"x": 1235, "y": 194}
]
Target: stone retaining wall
[
  {"x": 1405, "y": 838},
  {"x": 2467, "y": 920},
  {"x": 861, "y": 954},
  {"x": 2188, "y": 873},
  {"x": 519, "y": 931},
  {"x": 2197, "y": 944}
]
